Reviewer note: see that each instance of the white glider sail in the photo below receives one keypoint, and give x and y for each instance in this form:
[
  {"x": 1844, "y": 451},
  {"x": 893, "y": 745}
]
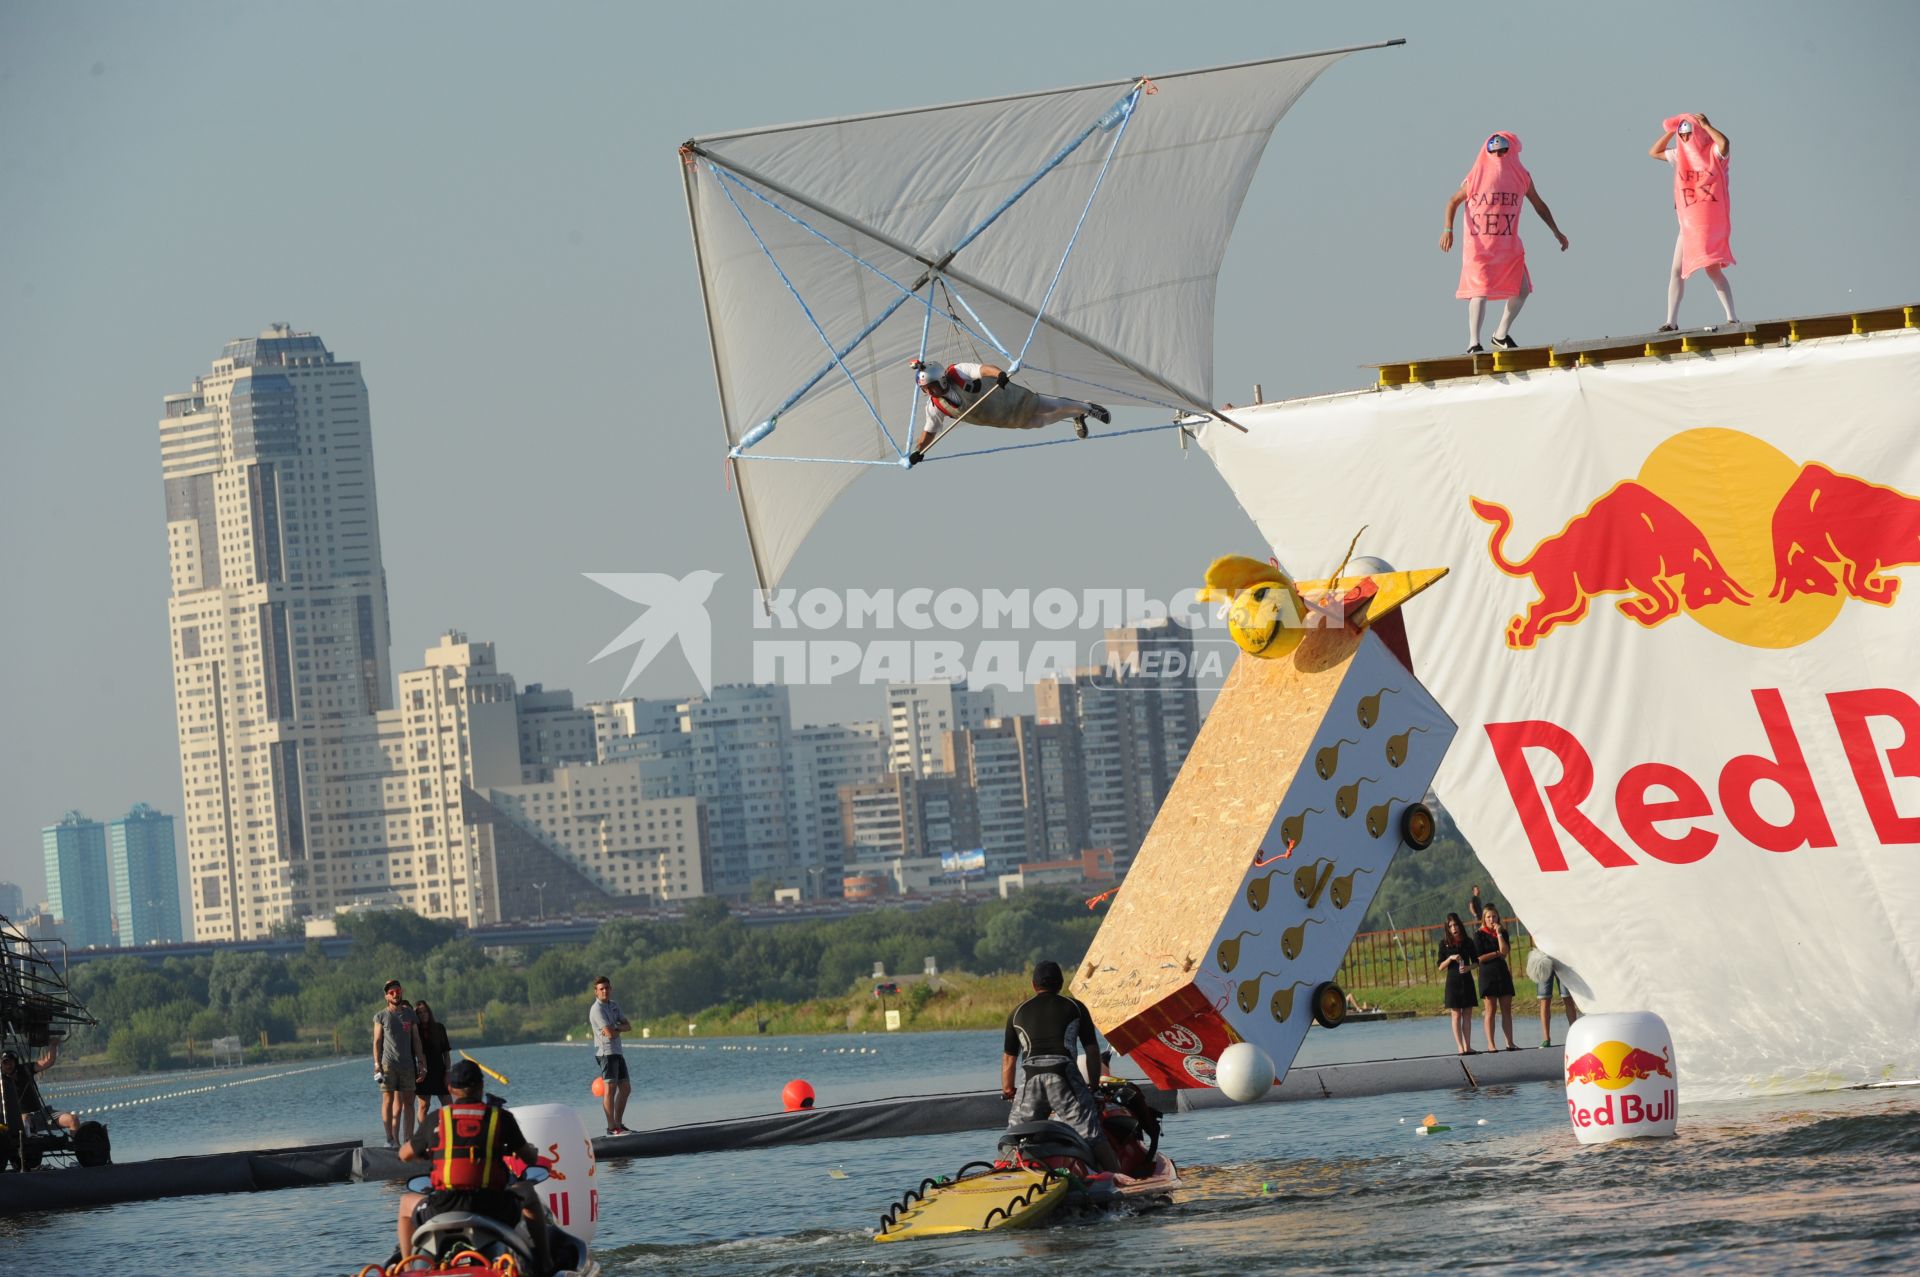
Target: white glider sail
[{"x": 1073, "y": 235}]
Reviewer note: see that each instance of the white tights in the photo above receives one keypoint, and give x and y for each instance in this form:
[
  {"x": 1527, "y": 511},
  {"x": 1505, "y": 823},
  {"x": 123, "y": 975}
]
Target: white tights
[
  {"x": 1477, "y": 313},
  {"x": 1052, "y": 408},
  {"x": 1677, "y": 285}
]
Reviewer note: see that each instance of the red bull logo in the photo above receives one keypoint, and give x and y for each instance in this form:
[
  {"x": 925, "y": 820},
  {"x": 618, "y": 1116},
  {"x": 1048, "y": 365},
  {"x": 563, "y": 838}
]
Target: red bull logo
[
  {"x": 1612, "y": 1065},
  {"x": 1712, "y": 514},
  {"x": 1615, "y": 1067}
]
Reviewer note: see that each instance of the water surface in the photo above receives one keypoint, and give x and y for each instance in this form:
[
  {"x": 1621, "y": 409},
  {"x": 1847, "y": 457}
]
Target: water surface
[{"x": 1825, "y": 1182}]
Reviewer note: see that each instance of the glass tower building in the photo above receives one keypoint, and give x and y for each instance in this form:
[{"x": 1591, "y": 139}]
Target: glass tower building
[
  {"x": 78, "y": 885},
  {"x": 146, "y": 878}
]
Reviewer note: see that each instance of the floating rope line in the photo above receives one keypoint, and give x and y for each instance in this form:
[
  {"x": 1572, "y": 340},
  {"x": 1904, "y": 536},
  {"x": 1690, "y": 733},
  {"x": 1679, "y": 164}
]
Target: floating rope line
[
  {"x": 82, "y": 1088},
  {"x": 206, "y": 1090}
]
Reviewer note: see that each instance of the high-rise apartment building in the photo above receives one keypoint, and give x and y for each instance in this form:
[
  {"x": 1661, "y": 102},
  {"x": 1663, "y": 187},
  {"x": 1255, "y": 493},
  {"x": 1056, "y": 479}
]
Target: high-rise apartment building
[
  {"x": 619, "y": 721},
  {"x": 738, "y": 736},
  {"x": 821, "y": 761},
  {"x": 553, "y": 731},
  {"x": 879, "y": 819},
  {"x": 278, "y": 612},
  {"x": 1135, "y": 718},
  {"x": 730, "y": 750},
  {"x": 996, "y": 760},
  {"x": 948, "y": 815},
  {"x": 13, "y": 901},
  {"x": 630, "y": 848},
  {"x": 79, "y": 887},
  {"x": 1152, "y": 664},
  {"x": 145, "y": 877},
  {"x": 919, "y": 715}
]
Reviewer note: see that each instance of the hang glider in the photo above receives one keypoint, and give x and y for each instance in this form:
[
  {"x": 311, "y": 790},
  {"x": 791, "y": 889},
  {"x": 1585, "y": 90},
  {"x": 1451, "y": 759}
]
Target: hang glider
[{"x": 1073, "y": 237}]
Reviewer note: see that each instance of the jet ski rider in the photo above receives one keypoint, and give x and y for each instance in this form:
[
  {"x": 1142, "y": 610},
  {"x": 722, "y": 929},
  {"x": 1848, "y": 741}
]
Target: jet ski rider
[
  {"x": 467, "y": 1144},
  {"x": 1045, "y": 1029}
]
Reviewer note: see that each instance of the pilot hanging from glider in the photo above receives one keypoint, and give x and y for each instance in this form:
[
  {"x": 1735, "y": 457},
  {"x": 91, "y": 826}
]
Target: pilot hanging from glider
[{"x": 981, "y": 395}]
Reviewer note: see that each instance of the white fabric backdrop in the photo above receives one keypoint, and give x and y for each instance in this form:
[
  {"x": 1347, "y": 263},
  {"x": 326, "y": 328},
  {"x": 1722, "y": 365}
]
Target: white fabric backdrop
[{"x": 1776, "y": 968}]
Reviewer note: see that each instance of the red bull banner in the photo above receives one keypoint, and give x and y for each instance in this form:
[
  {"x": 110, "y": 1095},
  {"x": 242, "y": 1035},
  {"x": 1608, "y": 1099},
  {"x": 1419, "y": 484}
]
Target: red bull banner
[{"x": 1684, "y": 654}]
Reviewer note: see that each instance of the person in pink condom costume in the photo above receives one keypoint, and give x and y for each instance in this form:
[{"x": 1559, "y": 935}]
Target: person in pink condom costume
[
  {"x": 1493, "y": 262},
  {"x": 1700, "y": 199}
]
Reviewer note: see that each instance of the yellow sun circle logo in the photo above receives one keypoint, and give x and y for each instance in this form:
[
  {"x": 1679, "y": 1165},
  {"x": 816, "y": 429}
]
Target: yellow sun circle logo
[{"x": 1731, "y": 484}]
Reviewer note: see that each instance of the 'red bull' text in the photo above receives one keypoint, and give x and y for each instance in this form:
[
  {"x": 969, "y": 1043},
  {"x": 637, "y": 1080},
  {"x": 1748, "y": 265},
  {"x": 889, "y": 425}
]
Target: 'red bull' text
[
  {"x": 1632, "y": 1110},
  {"x": 1660, "y": 807}
]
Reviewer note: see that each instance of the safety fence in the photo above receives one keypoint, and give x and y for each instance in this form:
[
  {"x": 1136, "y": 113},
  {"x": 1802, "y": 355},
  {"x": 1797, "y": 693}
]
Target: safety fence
[{"x": 1411, "y": 956}]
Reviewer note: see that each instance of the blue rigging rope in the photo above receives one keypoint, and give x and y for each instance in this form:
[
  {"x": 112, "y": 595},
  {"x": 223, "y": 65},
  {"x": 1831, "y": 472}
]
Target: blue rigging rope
[
  {"x": 1126, "y": 117},
  {"x": 825, "y": 340},
  {"x": 1053, "y": 443},
  {"x": 1121, "y": 113}
]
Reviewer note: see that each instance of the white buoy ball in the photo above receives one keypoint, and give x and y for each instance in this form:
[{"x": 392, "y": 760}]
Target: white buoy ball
[
  {"x": 1368, "y": 565},
  {"x": 1245, "y": 1072}
]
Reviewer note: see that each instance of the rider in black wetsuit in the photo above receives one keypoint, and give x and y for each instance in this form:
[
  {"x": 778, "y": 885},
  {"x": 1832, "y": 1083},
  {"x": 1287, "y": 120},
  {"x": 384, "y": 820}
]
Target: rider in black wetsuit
[{"x": 1046, "y": 1029}]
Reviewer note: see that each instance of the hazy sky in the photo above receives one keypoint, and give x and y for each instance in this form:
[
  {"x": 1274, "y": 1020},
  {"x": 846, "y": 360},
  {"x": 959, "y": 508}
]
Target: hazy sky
[{"x": 481, "y": 203}]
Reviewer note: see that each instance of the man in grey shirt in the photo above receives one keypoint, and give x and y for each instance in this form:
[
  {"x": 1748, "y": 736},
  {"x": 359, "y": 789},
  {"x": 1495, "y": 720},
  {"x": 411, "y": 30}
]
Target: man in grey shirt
[
  {"x": 399, "y": 1061},
  {"x": 609, "y": 1022}
]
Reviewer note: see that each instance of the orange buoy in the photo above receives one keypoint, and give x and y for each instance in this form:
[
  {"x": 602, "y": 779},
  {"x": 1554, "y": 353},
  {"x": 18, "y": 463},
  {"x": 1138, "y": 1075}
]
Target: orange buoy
[
  {"x": 797, "y": 1095},
  {"x": 599, "y": 1086}
]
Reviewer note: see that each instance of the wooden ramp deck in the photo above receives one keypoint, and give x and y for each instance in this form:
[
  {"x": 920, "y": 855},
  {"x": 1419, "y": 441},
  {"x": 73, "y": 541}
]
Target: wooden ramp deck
[{"x": 1592, "y": 352}]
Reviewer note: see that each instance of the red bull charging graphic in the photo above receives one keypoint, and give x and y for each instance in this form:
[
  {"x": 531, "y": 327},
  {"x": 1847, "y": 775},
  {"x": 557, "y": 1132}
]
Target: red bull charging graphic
[{"x": 1673, "y": 545}]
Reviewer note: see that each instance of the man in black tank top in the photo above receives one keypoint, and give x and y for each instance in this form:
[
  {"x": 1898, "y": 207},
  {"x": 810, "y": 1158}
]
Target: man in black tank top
[{"x": 1055, "y": 1035}]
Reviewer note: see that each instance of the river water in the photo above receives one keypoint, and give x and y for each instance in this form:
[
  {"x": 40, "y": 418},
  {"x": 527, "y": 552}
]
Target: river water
[{"x": 1826, "y": 1182}]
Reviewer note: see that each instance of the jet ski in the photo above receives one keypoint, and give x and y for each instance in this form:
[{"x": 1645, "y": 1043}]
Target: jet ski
[
  {"x": 463, "y": 1244},
  {"x": 1045, "y": 1170}
]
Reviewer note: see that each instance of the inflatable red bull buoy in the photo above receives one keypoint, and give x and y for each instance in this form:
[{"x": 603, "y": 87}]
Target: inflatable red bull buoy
[
  {"x": 571, "y": 1191},
  {"x": 797, "y": 1095},
  {"x": 1621, "y": 1079}
]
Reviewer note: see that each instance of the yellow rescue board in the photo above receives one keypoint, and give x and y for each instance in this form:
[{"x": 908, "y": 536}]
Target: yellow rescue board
[{"x": 1011, "y": 1198}]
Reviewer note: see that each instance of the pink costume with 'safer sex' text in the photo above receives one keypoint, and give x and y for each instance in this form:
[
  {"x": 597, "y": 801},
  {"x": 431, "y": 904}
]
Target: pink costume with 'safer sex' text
[
  {"x": 1493, "y": 262},
  {"x": 1700, "y": 198}
]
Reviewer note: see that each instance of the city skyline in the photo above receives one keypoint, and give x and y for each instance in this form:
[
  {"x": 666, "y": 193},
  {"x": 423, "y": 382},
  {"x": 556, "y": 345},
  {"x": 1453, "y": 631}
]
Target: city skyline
[
  {"x": 313, "y": 784},
  {"x": 546, "y": 399}
]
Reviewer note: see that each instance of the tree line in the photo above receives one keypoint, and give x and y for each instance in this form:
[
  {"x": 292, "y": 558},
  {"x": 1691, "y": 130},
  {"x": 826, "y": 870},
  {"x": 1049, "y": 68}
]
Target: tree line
[{"x": 706, "y": 960}]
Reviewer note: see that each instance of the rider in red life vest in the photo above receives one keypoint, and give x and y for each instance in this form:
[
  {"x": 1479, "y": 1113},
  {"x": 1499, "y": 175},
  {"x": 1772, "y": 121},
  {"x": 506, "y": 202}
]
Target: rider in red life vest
[
  {"x": 981, "y": 395},
  {"x": 466, "y": 1145}
]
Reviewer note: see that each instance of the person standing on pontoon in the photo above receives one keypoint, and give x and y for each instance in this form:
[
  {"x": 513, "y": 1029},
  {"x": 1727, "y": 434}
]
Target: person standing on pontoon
[
  {"x": 981, "y": 395},
  {"x": 1493, "y": 262},
  {"x": 1700, "y": 200}
]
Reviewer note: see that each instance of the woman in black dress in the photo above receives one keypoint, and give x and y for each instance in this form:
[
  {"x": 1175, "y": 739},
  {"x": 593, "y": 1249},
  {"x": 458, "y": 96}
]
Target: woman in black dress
[
  {"x": 1496, "y": 976},
  {"x": 1458, "y": 954},
  {"x": 433, "y": 1041}
]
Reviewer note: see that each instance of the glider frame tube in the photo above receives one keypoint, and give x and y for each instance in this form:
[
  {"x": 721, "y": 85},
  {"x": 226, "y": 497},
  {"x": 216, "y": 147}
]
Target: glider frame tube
[{"x": 1188, "y": 398}]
